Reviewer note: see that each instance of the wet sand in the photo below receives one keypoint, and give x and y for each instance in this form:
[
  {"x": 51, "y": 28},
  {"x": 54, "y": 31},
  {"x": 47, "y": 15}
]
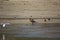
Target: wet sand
[{"x": 43, "y": 31}]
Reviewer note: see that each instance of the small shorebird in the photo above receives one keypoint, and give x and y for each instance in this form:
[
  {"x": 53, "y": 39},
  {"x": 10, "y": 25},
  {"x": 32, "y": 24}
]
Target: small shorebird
[
  {"x": 32, "y": 20},
  {"x": 4, "y": 24}
]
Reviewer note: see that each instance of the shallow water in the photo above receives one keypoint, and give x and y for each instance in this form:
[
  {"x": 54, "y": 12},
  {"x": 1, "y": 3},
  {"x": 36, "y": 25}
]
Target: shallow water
[{"x": 50, "y": 30}]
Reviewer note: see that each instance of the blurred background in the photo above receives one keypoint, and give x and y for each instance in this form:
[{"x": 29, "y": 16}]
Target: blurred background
[{"x": 15, "y": 15}]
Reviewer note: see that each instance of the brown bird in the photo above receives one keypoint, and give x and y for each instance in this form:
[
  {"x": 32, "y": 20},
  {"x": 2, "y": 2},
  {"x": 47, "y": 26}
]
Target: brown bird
[{"x": 32, "y": 21}]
